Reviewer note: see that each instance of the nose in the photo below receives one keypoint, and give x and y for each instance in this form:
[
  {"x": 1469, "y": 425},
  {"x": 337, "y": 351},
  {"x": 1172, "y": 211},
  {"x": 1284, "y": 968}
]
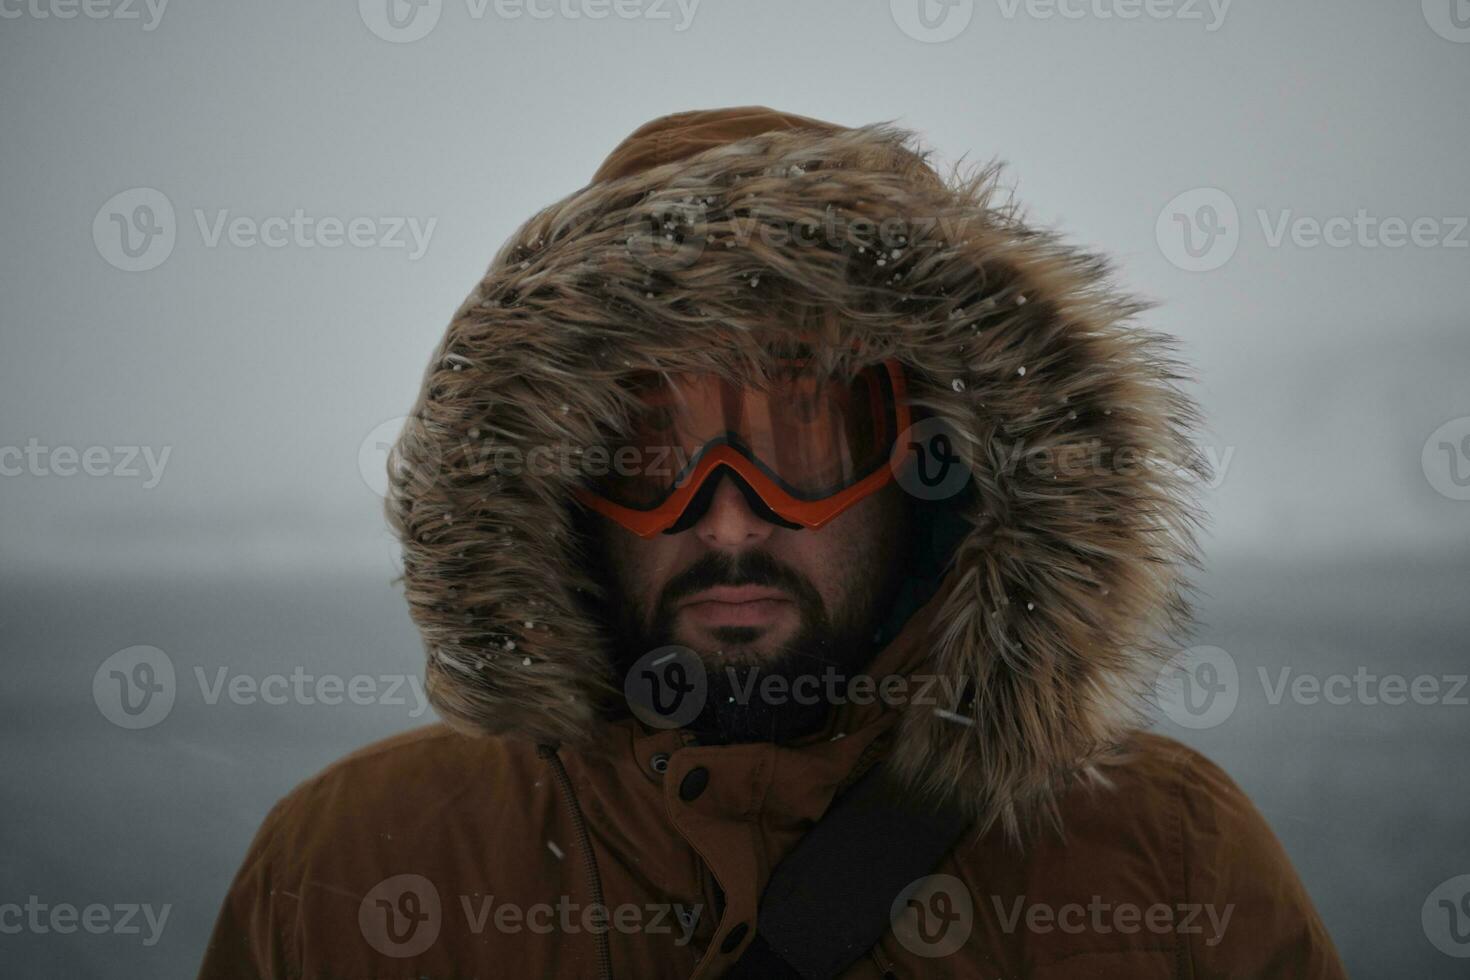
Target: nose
[{"x": 730, "y": 523}]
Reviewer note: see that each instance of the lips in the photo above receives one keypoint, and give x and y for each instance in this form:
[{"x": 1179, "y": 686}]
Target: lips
[{"x": 736, "y": 605}]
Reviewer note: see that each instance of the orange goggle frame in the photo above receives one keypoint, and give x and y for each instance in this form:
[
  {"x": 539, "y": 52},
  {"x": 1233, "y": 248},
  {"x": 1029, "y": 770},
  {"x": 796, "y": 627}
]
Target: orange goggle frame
[{"x": 808, "y": 447}]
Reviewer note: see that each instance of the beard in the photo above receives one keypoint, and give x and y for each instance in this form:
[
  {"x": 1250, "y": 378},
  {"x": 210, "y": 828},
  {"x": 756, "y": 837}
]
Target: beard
[{"x": 828, "y": 648}]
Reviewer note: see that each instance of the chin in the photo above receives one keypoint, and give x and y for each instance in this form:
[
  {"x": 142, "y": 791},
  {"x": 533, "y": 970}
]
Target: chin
[{"x": 737, "y": 644}]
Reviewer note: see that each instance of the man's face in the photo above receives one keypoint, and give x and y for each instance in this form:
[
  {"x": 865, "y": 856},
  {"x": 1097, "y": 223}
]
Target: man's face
[{"x": 748, "y": 595}]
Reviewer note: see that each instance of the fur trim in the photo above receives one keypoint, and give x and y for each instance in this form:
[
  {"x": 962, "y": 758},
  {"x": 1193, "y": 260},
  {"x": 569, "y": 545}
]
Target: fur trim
[{"x": 1068, "y": 583}]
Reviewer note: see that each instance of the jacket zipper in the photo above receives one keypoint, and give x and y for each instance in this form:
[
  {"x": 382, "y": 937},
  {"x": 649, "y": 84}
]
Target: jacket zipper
[
  {"x": 884, "y": 965},
  {"x": 713, "y": 893},
  {"x": 584, "y": 847}
]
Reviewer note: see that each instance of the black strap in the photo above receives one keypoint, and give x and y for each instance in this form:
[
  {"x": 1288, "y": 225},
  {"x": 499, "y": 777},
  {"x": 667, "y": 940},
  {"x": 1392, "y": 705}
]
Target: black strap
[{"x": 829, "y": 901}]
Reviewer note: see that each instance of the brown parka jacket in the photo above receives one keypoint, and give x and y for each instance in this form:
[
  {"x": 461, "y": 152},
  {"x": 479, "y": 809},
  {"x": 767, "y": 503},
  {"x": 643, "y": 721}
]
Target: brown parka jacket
[{"x": 545, "y": 832}]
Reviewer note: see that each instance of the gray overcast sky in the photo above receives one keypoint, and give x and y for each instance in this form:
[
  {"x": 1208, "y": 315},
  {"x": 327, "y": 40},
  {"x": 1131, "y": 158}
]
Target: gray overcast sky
[{"x": 262, "y": 370}]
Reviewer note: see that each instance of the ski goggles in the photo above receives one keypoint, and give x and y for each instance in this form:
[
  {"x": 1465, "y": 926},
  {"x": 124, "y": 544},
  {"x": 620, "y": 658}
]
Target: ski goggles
[{"x": 803, "y": 447}]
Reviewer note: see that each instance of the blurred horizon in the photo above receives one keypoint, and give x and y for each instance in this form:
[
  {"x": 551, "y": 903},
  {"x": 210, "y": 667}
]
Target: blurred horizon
[{"x": 1347, "y": 444}]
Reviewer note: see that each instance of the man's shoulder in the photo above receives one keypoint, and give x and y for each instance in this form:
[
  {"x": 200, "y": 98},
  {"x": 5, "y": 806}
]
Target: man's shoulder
[
  {"x": 1157, "y": 822},
  {"x": 434, "y": 757},
  {"x": 1162, "y": 866},
  {"x": 431, "y": 813},
  {"x": 1137, "y": 816},
  {"x": 1154, "y": 768},
  {"x": 1154, "y": 785}
]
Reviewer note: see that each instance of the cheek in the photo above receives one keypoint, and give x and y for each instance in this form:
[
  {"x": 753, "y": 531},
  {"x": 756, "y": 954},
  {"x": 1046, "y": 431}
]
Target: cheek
[
  {"x": 855, "y": 550},
  {"x": 639, "y": 566},
  {"x": 840, "y": 557}
]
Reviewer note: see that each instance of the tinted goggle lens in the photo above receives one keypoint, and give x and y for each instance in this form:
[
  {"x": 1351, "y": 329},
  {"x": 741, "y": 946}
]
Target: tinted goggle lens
[{"x": 798, "y": 438}]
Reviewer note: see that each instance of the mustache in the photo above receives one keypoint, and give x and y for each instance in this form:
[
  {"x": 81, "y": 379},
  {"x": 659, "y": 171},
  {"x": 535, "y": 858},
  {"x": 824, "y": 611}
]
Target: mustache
[{"x": 747, "y": 568}]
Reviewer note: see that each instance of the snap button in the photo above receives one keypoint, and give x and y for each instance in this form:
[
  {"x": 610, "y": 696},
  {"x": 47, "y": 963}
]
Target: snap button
[
  {"x": 659, "y": 763},
  {"x": 693, "y": 783},
  {"x": 736, "y": 936}
]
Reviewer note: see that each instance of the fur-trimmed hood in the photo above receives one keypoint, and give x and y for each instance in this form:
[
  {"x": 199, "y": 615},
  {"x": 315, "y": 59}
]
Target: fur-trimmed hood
[{"x": 708, "y": 230}]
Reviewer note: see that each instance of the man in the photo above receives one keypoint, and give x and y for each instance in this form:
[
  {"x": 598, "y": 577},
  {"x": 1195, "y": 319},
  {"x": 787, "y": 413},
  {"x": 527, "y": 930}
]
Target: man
[{"x": 792, "y": 533}]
